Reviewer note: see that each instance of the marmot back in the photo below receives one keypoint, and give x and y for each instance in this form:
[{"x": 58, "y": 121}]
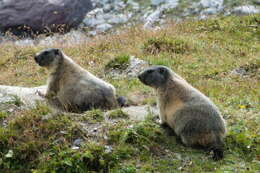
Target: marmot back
[{"x": 192, "y": 115}]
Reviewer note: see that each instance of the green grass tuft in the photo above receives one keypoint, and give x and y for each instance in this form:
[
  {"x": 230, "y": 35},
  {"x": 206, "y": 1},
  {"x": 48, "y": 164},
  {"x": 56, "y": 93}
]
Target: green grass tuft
[
  {"x": 120, "y": 62},
  {"x": 93, "y": 116},
  {"x": 165, "y": 44},
  {"x": 118, "y": 113}
]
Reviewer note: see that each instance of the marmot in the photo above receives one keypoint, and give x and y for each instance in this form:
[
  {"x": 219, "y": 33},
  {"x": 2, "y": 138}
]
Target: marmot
[
  {"x": 72, "y": 88},
  {"x": 192, "y": 116}
]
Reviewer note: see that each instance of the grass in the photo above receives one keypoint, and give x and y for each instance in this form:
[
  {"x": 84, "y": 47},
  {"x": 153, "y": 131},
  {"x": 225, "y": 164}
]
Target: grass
[
  {"x": 120, "y": 62},
  {"x": 209, "y": 51},
  {"x": 118, "y": 113}
]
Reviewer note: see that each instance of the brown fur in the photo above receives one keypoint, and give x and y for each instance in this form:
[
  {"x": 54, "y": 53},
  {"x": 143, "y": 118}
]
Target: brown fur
[
  {"x": 192, "y": 115},
  {"x": 72, "y": 88}
]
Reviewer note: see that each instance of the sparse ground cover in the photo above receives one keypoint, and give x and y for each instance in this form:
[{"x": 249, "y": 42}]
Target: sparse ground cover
[{"x": 203, "y": 52}]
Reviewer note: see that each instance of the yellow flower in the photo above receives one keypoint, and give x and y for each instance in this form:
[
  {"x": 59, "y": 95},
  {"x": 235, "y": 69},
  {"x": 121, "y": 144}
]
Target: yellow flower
[{"x": 242, "y": 106}]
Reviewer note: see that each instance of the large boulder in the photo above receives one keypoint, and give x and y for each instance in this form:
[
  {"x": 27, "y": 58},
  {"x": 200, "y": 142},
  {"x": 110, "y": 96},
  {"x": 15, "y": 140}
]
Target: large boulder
[{"x": 42, "y": 15}]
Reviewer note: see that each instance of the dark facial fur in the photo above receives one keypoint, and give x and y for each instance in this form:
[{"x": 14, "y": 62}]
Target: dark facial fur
[
  {"x": 46, "y": 57},
  {"x": 155, "y": 76}
]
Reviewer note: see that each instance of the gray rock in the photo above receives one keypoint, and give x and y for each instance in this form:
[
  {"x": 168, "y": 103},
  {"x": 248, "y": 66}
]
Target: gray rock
[
  {"x": 238, "y": 71},
  {"x": 210, "y": 11},
  {"x": 134, "y": 5},
  {"x": 118, "y": 19},
  {"x": 103, "y": 27},
  {"x": 92, "y": 22},
  {"x": 212, "y": 3},
  {"x": 28, "y": 96},
  {"x": 140, "y": 113},
  {"x": 134, "y": 68},
  {"x": 77, "y": 142},
  {"x": 41, "y": 14},
  {"x": 257, "y": 2},
  {"x": 245, "y": 10},
  {"x": 152, "y": 18},
  {"x": 157, "y": 2}
]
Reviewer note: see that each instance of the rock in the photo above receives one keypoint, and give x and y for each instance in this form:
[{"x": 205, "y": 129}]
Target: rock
[
  {"x": 157, "y": 2},
  {"x": 136, "y": 98},
  {"x": 239, "y": 71},
  {"x": 92, "y": 22},
  {"x": 134, "y": 67},
  {"x": 27, "y": 96},
  {"x": 103, "y": 27},
  {"x": 108, "y": 149},
  {"x": 257, "y": 2},
  {"x": 152, "y": 18},
  {"x": 134, "y": 5},
  {"x": 245, "y": 10},
  {"x": 139, "y": 113},
  {"x": 156, "y": 16},
  {"x": 42, "y": 15},
  {"x": 118, "y": 19},
  {"x": 77, "y": 142},
  {"x": 212, "y": 3}
]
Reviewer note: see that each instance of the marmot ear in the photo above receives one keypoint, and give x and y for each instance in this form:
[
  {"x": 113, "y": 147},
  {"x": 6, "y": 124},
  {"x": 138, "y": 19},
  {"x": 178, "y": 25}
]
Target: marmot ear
[{"x": 56, "y": 51}]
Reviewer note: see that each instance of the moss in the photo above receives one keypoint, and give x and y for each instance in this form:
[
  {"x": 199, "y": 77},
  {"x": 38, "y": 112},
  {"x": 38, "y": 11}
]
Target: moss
[
  {"x": 143, "y": 134},
  {"x": 3, "y": 115},
  {"x": 30, "y": 135},
  {"x": 241, "y": 140},
  {"x": 164, "y": 44},
  {"x": 16, "y": 101},
  {"x": 93, "y": 116},
  {"x": 120, "y": 62},
  {"x": 91, "y": 157},
  {"x": 117, "y": 114}
]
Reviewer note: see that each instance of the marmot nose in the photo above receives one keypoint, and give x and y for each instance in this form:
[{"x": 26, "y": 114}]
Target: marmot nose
[
  {"x": 139, "y": 77},
  {"x": 36, "y": 58}
]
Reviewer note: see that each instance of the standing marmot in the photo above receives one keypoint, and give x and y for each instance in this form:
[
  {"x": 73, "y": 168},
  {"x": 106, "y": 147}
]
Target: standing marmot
[
  {"x": 70, "y": 87},
  {"x": 194, "y": 118}
]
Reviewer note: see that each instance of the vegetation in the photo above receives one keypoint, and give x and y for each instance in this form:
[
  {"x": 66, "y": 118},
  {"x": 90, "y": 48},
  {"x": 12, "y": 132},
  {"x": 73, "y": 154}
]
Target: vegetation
[
  {"x": 120, "y": 62},
  {"x": 203, "y": 52},
  {"x": 118, "y": 113},
  {"x": 93, "y": 116}
]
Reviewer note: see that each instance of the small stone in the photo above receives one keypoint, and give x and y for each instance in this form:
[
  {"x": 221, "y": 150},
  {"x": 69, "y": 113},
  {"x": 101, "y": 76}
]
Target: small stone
[
  {"x": 238, "y": 71},
  {"x": 152, "y": 18},
  {"x": 139, "y": 113},
  {"x": 212, "y": 3},
  {"x": 245, "y": 10},
  {"x": 118, "y": 19},
  {"x": 77, "y": 142},
  {"x": 108, "y": 149},
  {"x": 9, "y": 154},
  {"x": 157, "y": 2},
  {"x": 95, "y": 129},
  {"x": 257, "y": 2},
  {"x": 103, "y": 27},
  {"x": 92, "y": 22},
  {"x": 74, "y": 148}
]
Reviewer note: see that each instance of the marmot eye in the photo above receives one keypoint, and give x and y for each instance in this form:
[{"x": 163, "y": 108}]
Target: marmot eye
[
  {"x": 149, "y": 71},
  {"x": 162, "y": 70}
]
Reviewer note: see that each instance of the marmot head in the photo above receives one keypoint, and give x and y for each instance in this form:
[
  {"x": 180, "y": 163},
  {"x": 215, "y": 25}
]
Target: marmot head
[
  {"x": 48, "y": 57},
  {"x": 155, "y": 76}
]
